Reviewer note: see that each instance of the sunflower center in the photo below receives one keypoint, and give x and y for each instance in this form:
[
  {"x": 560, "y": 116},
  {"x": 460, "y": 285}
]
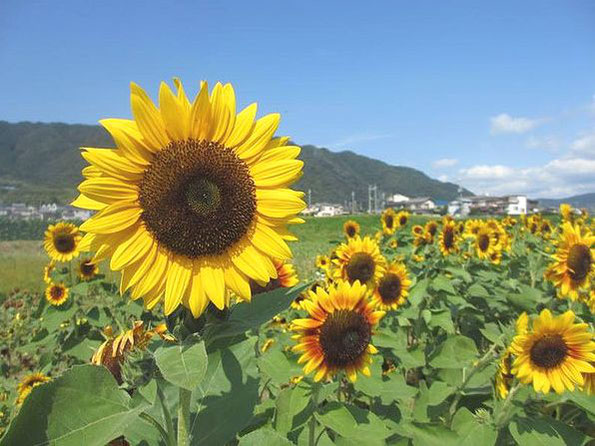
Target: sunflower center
[
  {"x": 390, "y": 288},
  {"x": 56, "y": 292},
  {"x": 483, "y": 242},
  {"x": 197, "y": 198},
  {"x": 344, "y": 337},
  {"x": 361, "y": 267},
  {"x": 449, "y": 238},
  {"x": 350, "y": 230},
  {"x": 432, "y": 229},
  {"x": 549, "y": 351},
  {"x": 579, "y": 262},
  {"x": 64, "y": 243},
  {"x": 403, "y": 220},
  {"x": 390, "y": 221},
  {"x": 87, "y": 268}
]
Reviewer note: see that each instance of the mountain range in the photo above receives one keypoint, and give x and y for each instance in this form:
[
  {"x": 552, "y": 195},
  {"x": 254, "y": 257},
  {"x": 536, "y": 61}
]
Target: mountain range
[{"x": 41, "y": 162}]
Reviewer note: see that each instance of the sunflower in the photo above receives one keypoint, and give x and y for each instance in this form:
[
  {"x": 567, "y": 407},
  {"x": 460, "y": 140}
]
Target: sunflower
[
  {"x": 402, "y": 218},
  {"x": 62, "y": 241},
  {"x": 573, "y": 264},
  {"x": 566, "y": 212},
  {"x": 504, "y": 377},
  {"x": 393, "y": 244},
  {"x": 195, "y": 200},
  {"x": 26, "y": 385},
  {"x": 113, "y": 351},
  {"x": 56, "y": 294},
  {"x": 47, "y": 272},
  {"x": 87, "y": 269},
  {"x": 393, "y": 288},
  {"x": 351, "y": 228},
  {"x": 389, "y": 222},
  {"x": 286, "y": 278},
  {"x": 323, "y": 262},
  {"x": 554, "y": 353},
  {"x": 359, "y": 259},
  {"x": 417, "y": 230},
  {"x": 336, "y": 336},
  {"x": 589, "y": 383},
  {"x": 297, "y": 302},
  {"x": 485, "y": 242},
  {"x": 448, "y": 239},
  {"x": 431, "y": 228}
]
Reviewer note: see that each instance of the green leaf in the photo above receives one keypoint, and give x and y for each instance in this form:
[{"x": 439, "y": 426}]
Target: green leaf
[
  {"x": 84, "y": 350},
  {"x": 583, "y": 400},
  {"x": 263, "y": 437},
  {"x": 543, "y": 432},
  {"x": 438, "y": 392},
  {"x": 225, "y": 399},
  {"x": 54, "y": 316},
  {"x": 430, "y": 435},
  {"x": 455, "y": 353},
  {"x": 418, "y": 292},
  {"x": 477, "y": 290},
  {"x": 352, "y": 422},
  {"x": 471, "y": 432},
  {"x": 443, "y": 319},
  {"x": 84, "y": 406},
  {"x": 247, "y": 315},
  {"x": 290, "y": 402},
  {"x": 184, "y": 365},
  {"x": 492, "y": 333},
  {"x": 275, "y": 365},
  {"x": 442, "y": 283}
]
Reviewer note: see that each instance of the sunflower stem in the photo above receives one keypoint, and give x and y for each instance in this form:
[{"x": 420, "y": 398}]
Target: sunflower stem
[
  {"x": 184, "y": 417},
  {"x": 169, "y": 424},
  {"x": 149, "y": 419},
  {"x": 312, "y": 423},
  {"x": 501, "y": 418}
]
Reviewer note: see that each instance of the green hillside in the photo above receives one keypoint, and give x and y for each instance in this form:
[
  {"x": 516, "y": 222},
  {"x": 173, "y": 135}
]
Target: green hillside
[
  {"x": 41, "y": 162},
  {"x": 577, "y": 201}
]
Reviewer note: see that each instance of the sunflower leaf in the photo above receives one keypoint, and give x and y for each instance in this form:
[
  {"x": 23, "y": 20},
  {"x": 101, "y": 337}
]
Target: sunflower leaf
[{"x": 185, "y": 364}]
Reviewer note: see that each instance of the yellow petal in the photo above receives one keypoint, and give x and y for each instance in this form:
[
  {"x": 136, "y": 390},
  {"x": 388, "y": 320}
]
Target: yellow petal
[
  {"x": 238, "y": 283},
  {"x": 197, "y": 300},
  {"x": 200, "y": 114},
  {"x": 214, "y": 285},
  {"x": 173, "y": 116},
  {"x": 263, "y": 131},
  {"x": 276, "y": 173},
  {"x": 108, "y": 190},
  {"x": 243, "y": 126},
  {"x": 178, "y": 278},
  {"x": 87, "y": 203},
  {"x": 132, "y": 249},
  {"x": 279, "y": 203},
  {"x": 268, "y": 241},
  {"x": 129, "y": 140},
  {"x": 116, "y": 217},
  {"x": 148, "y": 119},
  {"x": 113, "y": 164}
]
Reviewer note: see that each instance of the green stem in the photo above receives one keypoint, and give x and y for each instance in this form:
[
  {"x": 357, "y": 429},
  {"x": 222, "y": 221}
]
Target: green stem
[
  {"x": 312, "y": 423},
  {"x": 148, "y": 418},
  {"x": 500, "y": 420},
  {"x": 169, "y": 424},
  {"x": 184, "y": 417}
]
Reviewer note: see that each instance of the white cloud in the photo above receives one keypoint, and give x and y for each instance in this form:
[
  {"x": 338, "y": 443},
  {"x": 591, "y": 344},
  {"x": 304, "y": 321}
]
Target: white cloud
[
  {"x": 504, "y": 123},
  {"x": 443, "y": 178},
  {"x": 547, "y": 143},
  {"x": 556, "y": 179},
  {"x": 584, "y": 146},
  {"x": 445, "y": 162}
]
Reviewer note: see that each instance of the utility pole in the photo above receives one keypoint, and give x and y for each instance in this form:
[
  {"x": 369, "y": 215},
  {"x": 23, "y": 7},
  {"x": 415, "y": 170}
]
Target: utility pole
[
  {"x": 375, "y": 199},
  {"x": 309, "y": 198},
  {"x": 353, "y": 202}
]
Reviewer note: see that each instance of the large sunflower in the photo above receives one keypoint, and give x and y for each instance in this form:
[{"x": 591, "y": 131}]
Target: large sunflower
[
  {"x": 359, "y": 259},
  {"x": 448, "y": 239},
  {"x": 338, "y": 332},
  {"x": 554, "y": 353},
  {"x": 351, "y": 228},
  {"x": 389, "y": 221},
  {"x": 574, "y": 261},
  {"x": 393, "y": 288},
  {"x": 194, "y": 202},
  {"x": 62, "y": 241},
  {"x": 56, "y": 294},
  {"x": 26, "y": 385}
]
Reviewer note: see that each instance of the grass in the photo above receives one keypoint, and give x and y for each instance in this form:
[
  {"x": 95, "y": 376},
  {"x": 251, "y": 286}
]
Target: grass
[{"x": 22, "y": 262}]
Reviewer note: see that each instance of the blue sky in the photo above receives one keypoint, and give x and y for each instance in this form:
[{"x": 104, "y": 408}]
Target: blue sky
[{"x": 496, "y": 95}]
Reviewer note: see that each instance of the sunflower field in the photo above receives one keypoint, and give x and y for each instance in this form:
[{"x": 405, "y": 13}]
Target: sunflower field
[{"x": 409, "y": 332}]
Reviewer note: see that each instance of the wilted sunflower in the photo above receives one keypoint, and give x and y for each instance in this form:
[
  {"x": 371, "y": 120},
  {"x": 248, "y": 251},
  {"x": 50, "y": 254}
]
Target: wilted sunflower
[
  {"x": 62, "y": 241},
  {"x": 26, "y": 385},
  {"x": 47, "y": 272},
  {"x": 554, "y": 353},
  {"x": 351, "y": 228},
  {"x": 286, "y": 278},
  {"x": 113, "y": 351},
  {"x": 393, "y": 288},
  {"x": 448, "y": 239},
  {"x": 389, "y": 221},
  {"x": 573, "y": 264},
  {"x": 359, "y": 259},
  {"x": 402, "y": 218},
  {"x": 56, "y": 294},
  {"x": 338, "y": 332},
  {"x": 195, "y": 200},
  {"x": 504, "y": 376},
  {"x": 87, "y": 269}
]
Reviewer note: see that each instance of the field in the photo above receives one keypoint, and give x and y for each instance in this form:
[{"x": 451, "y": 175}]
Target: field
[{"x": 443, "y": 369}]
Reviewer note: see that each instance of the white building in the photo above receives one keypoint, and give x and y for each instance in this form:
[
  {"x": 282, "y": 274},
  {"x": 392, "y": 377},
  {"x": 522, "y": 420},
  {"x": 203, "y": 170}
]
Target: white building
[
  {"x": 461, "y": 207},
  {"x": 515, "y": 204},
  {"x": 329, "y": 210},
  {"x": 419, "y": 205},
  {"x": 397, "y": 198}
]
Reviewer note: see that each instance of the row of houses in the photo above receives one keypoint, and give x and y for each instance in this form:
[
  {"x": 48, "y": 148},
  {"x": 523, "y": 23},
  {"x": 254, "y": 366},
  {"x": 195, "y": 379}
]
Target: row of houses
[{"x": 51, "y": 211}]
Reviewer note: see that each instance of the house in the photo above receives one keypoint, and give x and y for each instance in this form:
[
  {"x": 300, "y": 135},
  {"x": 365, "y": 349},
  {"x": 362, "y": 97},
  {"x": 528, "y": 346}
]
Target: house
[
  {"x": 329, "y": 210},
  {"x": 419, "y": 205},
  {"x": 396, "y": 200},
  {"x": 72, "y": 213},
  {"x": 506, "y": 205},
  {"x": 460, "y": 207}
]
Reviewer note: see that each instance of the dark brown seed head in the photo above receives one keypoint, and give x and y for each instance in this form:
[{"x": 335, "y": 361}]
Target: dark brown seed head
[{"x": 344, "y": 337}]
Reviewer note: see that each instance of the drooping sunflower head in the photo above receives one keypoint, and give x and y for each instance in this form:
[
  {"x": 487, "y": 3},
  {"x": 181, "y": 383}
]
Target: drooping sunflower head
[
  {"x": 448, "y": 239},
  {"x": 195, "y": 201},
  {"x": 351, "y": 228},
  {"x": 359, "y": 259},
  {"x": 56, "y": 294},
  {"x": 47, "y": 272},
  {"x": 61, "y": 241},
  {"x": 336, "y": 336},
  {"x": 403, "y": 218},
  {"x": 574, "y": 261},
  {"x": 389, "y": 221},
  {"x": 27, "y": 383},
  {"x": 393, "y": 288},
  {"x": 504, "y": 377},
  {"x": 87, "y": 269},
  {"x": 286, "y": 278},
  {"x": 553, "y": 353}
]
